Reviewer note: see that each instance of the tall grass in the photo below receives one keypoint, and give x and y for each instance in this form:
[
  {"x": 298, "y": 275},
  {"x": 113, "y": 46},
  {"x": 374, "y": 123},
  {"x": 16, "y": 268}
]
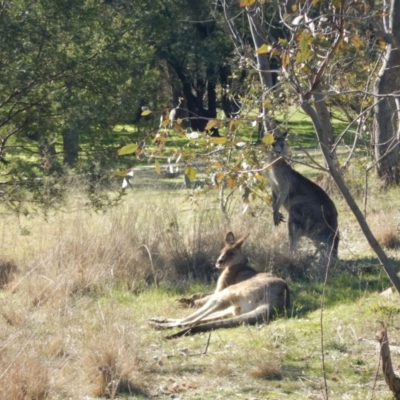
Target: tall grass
[{"x": 77, "y": 288}]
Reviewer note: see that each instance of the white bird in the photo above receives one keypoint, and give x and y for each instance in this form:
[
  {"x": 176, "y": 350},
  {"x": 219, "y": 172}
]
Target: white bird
[{"x": 127, "y": 179}]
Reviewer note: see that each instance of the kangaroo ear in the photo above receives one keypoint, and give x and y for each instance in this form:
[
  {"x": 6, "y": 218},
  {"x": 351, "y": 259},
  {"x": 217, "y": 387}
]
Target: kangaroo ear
[
  {"x": 230, "y": 238},
  {"x": 242, "y": 239}
]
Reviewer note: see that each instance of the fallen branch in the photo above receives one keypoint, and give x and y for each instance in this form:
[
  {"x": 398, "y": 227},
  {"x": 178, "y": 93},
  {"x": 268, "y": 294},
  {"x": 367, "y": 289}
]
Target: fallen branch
[{"x": 391, "y": 379}]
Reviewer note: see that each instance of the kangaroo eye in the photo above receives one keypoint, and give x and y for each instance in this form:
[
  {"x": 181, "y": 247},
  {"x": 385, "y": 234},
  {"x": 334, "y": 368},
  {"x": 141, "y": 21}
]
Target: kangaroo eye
[{"x": 229, "y": 253}]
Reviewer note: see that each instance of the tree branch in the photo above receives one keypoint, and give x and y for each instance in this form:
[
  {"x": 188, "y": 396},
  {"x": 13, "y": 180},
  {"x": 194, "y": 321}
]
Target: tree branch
[{"x": 391, "y": 379}]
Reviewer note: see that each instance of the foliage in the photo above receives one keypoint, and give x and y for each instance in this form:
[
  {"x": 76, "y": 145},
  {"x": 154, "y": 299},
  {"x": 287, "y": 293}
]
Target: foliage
[{"x": 69, "y": 74}]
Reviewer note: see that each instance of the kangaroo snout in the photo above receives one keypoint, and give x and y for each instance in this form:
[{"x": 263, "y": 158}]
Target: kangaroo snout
[{"x": 219, "y": 263}]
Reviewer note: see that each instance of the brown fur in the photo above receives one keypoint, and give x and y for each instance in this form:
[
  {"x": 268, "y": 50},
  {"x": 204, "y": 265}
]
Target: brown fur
[
  {"x": 233, "y": 271},
  {"x": 311, "y": 211},
  {"x": 241, "y": 291}
]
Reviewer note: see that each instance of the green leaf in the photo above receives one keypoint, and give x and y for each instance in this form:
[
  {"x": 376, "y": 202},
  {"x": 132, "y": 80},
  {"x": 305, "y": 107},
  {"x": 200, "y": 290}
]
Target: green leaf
[
  {"x": 218, "y": 140},
  {"x": 268, "y": 139},
  {"x": 190, "y": 172},
  {"x": 158, "y": 167},
  {"x": 128, "y": 149},
  {"x": 303, "y": 44}
]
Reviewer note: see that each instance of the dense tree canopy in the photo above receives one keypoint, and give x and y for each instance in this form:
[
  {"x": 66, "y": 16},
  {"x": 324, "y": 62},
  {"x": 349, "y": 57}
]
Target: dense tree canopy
[{"x": 72, "y": 71}]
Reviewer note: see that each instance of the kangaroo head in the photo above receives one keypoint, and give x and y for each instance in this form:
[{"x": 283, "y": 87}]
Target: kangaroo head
[
  {"x": 232, "y": 253},
  {"x": 279, "y": 145}
]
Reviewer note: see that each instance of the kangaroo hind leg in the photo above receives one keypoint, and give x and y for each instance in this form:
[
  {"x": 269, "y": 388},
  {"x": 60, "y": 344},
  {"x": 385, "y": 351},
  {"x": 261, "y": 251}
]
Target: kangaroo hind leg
[{"x": 214, "y": 305}]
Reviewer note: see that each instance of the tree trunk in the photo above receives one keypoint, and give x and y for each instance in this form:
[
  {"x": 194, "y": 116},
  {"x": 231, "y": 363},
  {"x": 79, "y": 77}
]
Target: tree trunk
[
  {"x": 386, "y": 119},
  {"x": 70, "y": 146},
  {"x": 47, "y": 152},
  {"x": 263, "y": 67},
  {"x": 376, "y": 247},
  {"x": 324, "y": 116},
  {"x": 194, "y": 94}
]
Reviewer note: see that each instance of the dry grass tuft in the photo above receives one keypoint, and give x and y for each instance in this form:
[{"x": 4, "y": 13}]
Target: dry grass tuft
[
  {"x": 25, "y": 378},
  {"x": 385, "y": 229},
  {"x": 12, "y": 316},
  {"x": 112, "y": 365},
  {"x": 8, "y": 269},
  {"x": 271, "y": 254},
  {"x": 267, "y": 370},
  {"x": 388, "y": 238},
  {"x": 223, "y": 365}
]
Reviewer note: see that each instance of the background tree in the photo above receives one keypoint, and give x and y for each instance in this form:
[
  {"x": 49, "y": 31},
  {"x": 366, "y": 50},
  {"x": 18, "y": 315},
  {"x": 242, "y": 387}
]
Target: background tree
[
  {"x": 195, "y": 48},
  {"x": 310, "y": 56},
  {"x": 387, "y": 90},
  {"x": 70, "y": 72}
]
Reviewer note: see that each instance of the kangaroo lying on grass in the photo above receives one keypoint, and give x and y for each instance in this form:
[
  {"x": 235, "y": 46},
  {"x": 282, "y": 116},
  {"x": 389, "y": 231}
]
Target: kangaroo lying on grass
[
  {"x": 248, "y": 295},
  {"x": 311, "y": 211},
  {"x": 230, "y": 276}
]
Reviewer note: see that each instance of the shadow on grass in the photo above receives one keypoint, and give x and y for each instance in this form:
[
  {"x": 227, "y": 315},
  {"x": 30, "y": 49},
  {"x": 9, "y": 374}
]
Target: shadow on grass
[{"x": 346, "y": 283}]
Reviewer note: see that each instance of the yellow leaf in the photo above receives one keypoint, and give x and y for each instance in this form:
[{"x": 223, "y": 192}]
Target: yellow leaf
[
  {"x": 285, "y": 59},
  {"x": 259, "y": 177},
  {"x": 218, "y": 140},
  {"x": 160, "y": 137},
  {"x": 231, "y": 183},
  {"x": 165, "y": 123},
  {"x": 357, "y": 42},
  {"x": 190, "y": 172},
  {"x": 178, "y": 129},
  {"x": 158, "y": 167},
  {"x": 219, "y": 177},
  {"x": 294, "y": 7},
  {"x": 179, "y": 121},
  {"x": 247, "y": 3},
  {"x": 382, "y": 44},
  {"x": 211, "y": 124},
  {"x": 128, "y": 149},
  {"x": 267, "y": 104},
  {"x": 264, "y": 49},
  {"x": 146, "y": 112},
  {"x": 122, "y": 173},
  {"x": 268, "y": 139}
]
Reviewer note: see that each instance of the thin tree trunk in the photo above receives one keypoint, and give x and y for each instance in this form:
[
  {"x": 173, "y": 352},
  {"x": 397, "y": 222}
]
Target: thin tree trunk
[
  {"x": 391, "y": 379},
  {"x": 70, "y": 146},
  {"x": 324, "y": 116},
  {"x": 263, "y": 66},
  {"x": 349, "y": 198},
  {"x": 386, "y": 119}
]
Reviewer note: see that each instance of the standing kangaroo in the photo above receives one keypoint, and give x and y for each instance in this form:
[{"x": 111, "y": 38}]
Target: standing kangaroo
[
  {"x": 248, "y": 295},
  {"x": 311, "y": 211}
]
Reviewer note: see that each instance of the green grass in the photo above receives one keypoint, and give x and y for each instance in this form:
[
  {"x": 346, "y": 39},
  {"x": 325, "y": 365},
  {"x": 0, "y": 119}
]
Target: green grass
[
  {"x": 84, "y": 289},
  {"x": 73, "y": 315}
]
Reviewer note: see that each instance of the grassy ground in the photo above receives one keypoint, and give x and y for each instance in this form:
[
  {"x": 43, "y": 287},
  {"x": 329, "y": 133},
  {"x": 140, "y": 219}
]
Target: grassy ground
[{"x": 79, "y": 289}]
